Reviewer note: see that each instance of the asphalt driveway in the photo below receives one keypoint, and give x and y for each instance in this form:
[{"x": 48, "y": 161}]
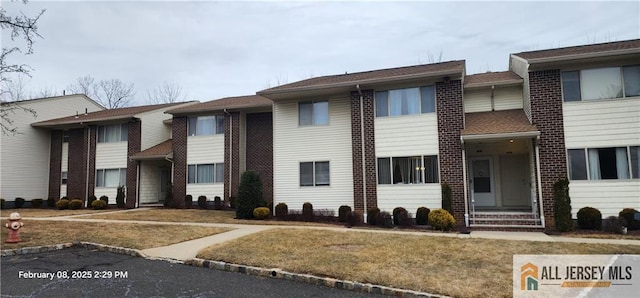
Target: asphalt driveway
[{"x": 79, "y": 272}]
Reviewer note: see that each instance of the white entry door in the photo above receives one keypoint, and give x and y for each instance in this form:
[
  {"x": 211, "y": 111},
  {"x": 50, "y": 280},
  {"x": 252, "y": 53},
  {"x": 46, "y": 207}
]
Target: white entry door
[{"x": 482, "y": 182}]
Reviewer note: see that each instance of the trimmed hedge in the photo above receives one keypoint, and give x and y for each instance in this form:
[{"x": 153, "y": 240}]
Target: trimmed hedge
[
  {"x": 384, "y": 219},
  {"x": 307, "y": 211},
  {"x": 18, "y": 203},
  {"x": 589, "y": 218},
  {"x": 2, "y": 202},
  {"x": 441, "y": 219},
  {"x": 629, "y": 216},
  {"x": 422, "y": 216},
  {"x": 343, "y": 212},
  {"x": 105, "y": 199},
  {"x": 447, "y": 197},
  {"x": 217, "y": 203},
  {"x": 91, "y": 199},
  {"x": 401, "y": 217},
  {"x": 372, "y": 216},
  {"x": 261, "y": 213},
  {"x": 51, "y": 202},
  {"x": 562, "y": 206},
  {"x": 282, "y": 211},
  {"x": 37, "y": 203},
  {"x": 98, "y": 204},
  {"x": 75, "y": 204},
  {"x": 202, "y": 202},
  {"x": 353, "y": 218},
  {"x": 120, "y": 197},
  {"x": 62, "y": 204},
  {"x": 188, "y": 201},
  {"x": 249, "y": 195}
]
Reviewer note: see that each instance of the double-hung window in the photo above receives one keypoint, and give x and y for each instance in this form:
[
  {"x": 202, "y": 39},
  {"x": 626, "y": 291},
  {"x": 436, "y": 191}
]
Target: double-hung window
[
  {"x": 205, "y": 173},
  {"x": 407, "y": 101},
  {"x": 111, "y": 177},
  {"x": 601, "y": 83},
  {"x": 314, "y": 173},
  {"x": 206, "y": 125},
  {"x": 604, "y": 163},
  {"x": 408, "y": 170},
  {"x": 113, "y": 133},
  {"x": 313, "y": 113}
]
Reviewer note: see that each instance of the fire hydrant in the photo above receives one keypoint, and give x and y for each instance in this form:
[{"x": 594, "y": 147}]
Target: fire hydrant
[{"x": 14, "y": 225}]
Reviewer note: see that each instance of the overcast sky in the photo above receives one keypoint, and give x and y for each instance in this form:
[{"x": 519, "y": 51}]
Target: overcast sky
[{"x": 220, "y": 49}]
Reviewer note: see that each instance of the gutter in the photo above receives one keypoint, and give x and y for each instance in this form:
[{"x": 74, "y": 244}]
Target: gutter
[
  {"x": 360, "y": 82},
  {"x": 582, "y": 56}
]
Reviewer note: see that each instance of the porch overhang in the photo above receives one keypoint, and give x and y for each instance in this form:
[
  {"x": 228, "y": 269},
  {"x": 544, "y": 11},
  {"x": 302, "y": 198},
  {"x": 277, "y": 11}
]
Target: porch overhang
[
  {"x": 498, "y": 125},
  {"x": 162, "y": 151},
  {"x": 500, "y": 136}
]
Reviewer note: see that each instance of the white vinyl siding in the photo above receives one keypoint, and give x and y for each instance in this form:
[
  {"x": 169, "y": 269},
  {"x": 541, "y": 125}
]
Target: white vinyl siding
[
  {"x": 110, "y": 156},
  {"x": 25, "y": 157},
  {"x": 602, "y": 124},
  {"x": 293, "y": 144},
  {"x": 610, "y": 197},
  {"x": 504, "y": 98},
  {"x": 150, "y": 181},
  {"x": 153, "y": 130},
  {"x": 414, "y": 135},
  {"x": 205, "y": 150}
]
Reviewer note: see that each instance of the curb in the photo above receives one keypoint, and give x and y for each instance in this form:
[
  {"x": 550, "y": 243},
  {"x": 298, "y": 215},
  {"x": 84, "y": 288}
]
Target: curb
[
  {"x": 223, "y": 266},
  {"x": 310, "y": 279}
]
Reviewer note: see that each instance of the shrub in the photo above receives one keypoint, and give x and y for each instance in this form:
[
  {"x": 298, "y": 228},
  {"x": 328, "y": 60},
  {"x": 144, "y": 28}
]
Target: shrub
[
  {"x": 202, "y": 202},
  {"x": 91, "y": 199},
  {"x": 188, "y": 201},
  {"x": 98, "y": 204},
  {"x": 217, "y": 203},
  {"x": 441, "y": 219},
  {"x": 629, "y": 216},
  {"x": 105, "y": 199},
  {"x": 232, "y": 202},
  {"x": 261, "y": 213},
  {"x": 343, "y": 211},
  {"x": 18, "y": 203},
  {"x": 614, "y": 224},
  {"x": 2, "y": 202},
  {"x": 447, "y": 197},
  {"x": 353, "y": 218},
  {"x": 307, "y": 211},
  {"x": 372, "y": 215},
  {"x": 589, "y": 218},
  {"x": 249, "y": 195},
  {"x": 37, "y": 203},
  {"x": 282, "y": 211},
  {"x": 120, "y": 197},
  {"x": 383, "y": 219},
  {"x": 51, "y": 202},
  {"x": 422, "y": 216},
  {"x": 62, "y": 204},
  {"x": 562, "y": 206},
  {"x": 75, "y": 204},
  {"x": 401, "y": 217},
  {"x": 168, "y": 195}
]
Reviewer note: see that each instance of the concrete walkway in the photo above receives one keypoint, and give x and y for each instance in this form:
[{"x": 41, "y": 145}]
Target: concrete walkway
[{"x": 189, "y": 249}]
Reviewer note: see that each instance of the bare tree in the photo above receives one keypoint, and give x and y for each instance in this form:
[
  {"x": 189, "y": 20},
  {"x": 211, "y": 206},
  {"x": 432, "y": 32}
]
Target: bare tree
[
  {"x": 84, "y": 85},
  {"x": 45, "y": 92},
  {"x": 168, "y": 92},
  {"x": 112, "y": 93},
  {"x": 14, "y": 89},
  {"x": 24, "y": 27}
]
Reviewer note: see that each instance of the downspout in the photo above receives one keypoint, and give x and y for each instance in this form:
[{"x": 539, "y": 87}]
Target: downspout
[
  {"x": 230, "y": 151},
  {"x": 539, "y": 181},
  {"x": 364, "y": 168},
  {"x": 464, "y": 182},
  {"x": 137, "y": 183}
]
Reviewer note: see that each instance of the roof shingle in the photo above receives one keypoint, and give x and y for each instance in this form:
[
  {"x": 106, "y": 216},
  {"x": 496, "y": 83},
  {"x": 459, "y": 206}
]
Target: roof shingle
[
  {"x": 497, "y": 122},
  {"x": 158, "y": 151},
  {"x": 237, "y": 102},
  {"x": 584, "y": 49},
  {"x": 357, "y": 77}
]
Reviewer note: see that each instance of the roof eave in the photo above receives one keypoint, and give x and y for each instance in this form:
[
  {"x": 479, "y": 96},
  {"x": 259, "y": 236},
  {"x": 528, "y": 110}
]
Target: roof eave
[
  {"x": 215, "y": 110},
  {"x": 513, "y": 82},
  {"x": 270, "y": 94},
  {"x": 612, "y": 53},
  {"x": 500, "y": 136}
]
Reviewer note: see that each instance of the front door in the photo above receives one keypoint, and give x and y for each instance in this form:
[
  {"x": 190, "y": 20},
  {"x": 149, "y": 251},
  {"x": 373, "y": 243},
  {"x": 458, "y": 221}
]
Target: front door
[
  {"x": 482, "y": 182},
  {"x": 515, "y": 180},
  {"x": 165, "y": 179}
]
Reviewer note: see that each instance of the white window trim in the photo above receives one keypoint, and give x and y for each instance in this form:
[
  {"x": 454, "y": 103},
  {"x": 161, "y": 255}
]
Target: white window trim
[
  {"x": 422, "y": 170},
  {"x": 435, "y": 104},
  {"x": 215, "y": 126},
  {"x": 215, "y": 165},
  {"x": 119, "y": 133},
  {"x": 119, "y": 177},
  {"x": 313, "y": 119},
  {"x": 313, "y": 173},
  {"x": 582, "y": 100},
  {"x": 585, "y": 150}
]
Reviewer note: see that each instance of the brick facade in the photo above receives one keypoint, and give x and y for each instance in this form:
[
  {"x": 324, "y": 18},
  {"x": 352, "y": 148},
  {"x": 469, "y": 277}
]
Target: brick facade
[
  {"x": 369, "y": 150},
  {"x": 259, "y": 150},
  {"x": 55, "y": 164},
  {"x": 450, "y": 124},
  {"x": 231, "y": 154},
  {"x": 179, "y": 136},
  {"x": 546, "y": 113},
  {"x": 78, "y": 159},
  {"x": 133, "y": 147}
]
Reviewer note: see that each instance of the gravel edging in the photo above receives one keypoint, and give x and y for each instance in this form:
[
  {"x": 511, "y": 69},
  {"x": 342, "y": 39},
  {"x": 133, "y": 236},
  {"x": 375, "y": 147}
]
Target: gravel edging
[
  {"x": 310, "y": 279},
  {"x": 249, "y": 270}
]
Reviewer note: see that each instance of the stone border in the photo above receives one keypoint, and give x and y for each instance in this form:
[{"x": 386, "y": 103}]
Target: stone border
[
  {"x": 310, "y": 279},
  {"x": 223, "y": 266}
]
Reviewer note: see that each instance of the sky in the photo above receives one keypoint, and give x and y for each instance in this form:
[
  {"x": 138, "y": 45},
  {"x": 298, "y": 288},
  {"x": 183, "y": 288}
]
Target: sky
[{"x": 220, "y": 49}]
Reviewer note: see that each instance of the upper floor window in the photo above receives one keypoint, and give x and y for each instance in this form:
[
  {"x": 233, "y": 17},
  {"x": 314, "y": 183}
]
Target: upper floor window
[
  {"x": 313, "y": 113},
  {"x": 205, "y": 173},
  {"x": 408, "y": 170},
  {"x": 406, "y": 101},
  {"x": 206, "y": 125},
  {"x": 601, "y": 83},
  {"x": 111, "y": 177},
  {"x": 604, "y": 163},
  {"x": 64, "y": 176},
  {"x": 113, "y": 133},
  {"x": 314, "y": 173}
]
